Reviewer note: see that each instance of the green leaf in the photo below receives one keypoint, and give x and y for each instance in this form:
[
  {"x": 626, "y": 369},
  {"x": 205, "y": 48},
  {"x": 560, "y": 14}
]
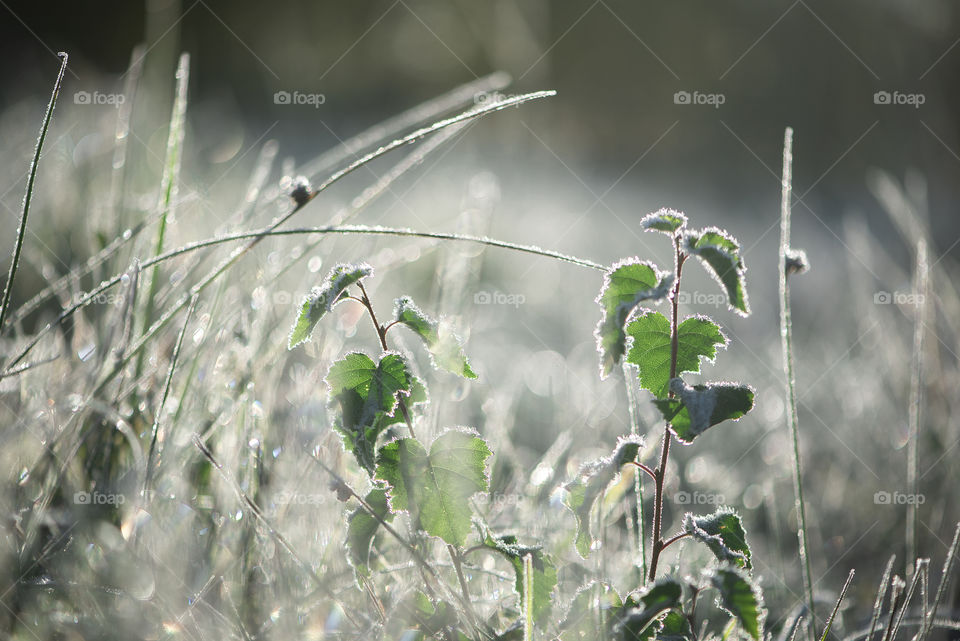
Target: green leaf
[
  {"x": 361, "y": 528},
  {"x": 436, "y": 487},
  {"x": 723, "y": 533},
  {"x": 625, "y": 285},
  {"x": 367, "y": 394},
  {"x": 740, "y": 597},
  {"x": 665, "y": 220},
  {"x": 697, "y": 339},
  {"x": 592, "y": 479},
  {"x": 720, "y": 255},
  {"x": 322, "y": 299},
  {"x": 675, "y": 627},
  {"x": 703, "y": 406},
  {"x": 442, "y": 343},
  {"x": 544, "y": 569},
  {"x": 582, "y": 622},
  {"x": 640, "y": 622}
]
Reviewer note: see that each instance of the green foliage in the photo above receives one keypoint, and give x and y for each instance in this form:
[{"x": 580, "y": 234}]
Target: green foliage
[
  {"x": 640, "y": 620},
  {"x": 626, "y": 285},
  {"x": 720, "y": 255},
  {"x": 544, "y": 569},
  {"x": 697, "y": 339},
  {"x": 435, "y": 487},
  {"x": 322, "y": 299},
  {"x": 740, "y": 597},
  {"x": 723, "y": 533},
  {"x": 675, "y": 627},
  {"x": 442, "y": 343},
  {"x": 592, "y": 479},
  {"x": 368, "y": 395},
  {"x": 361, "y": 528},
  {"x": 668, "y": 221},
  {"x": 703, "y": 406}
]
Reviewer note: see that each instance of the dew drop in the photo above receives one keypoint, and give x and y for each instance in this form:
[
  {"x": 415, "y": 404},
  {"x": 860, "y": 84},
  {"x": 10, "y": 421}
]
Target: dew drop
[{"x": 314, "y": 264}]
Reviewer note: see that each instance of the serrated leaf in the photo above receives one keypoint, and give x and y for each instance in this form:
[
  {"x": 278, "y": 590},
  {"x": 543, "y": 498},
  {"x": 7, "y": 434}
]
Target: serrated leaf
[
  {"x": 544, "y": 569},
  {"x": 723, "y": 533},
  {"x": 367, "y": 394},
  {"x": 436, "y": 487},
  {"x": 665, "y": 220},
  {"x": 720, "y": 255},
  {"x": 625, "y": 285},
  {"x": 361, "y": 528},
  {"x": 702, "y": 406},
  {"x": 582, "y": 622},
  {"x": 740, "y": 597},
  {"x": 322, "y": 299},
  {"x": 441, "y": 341},
  {"x": 592, "y": 479},
  {"x": 697, "y": 339},
  {"x": 640, "y": 622},
  {"x": 675, "y": 627}
]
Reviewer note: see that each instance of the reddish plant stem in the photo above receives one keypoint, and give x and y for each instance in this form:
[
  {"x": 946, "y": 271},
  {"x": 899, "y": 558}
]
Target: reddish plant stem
[
  {"x": 382, "y": 335},
  {"x": 660, "y": 472}
]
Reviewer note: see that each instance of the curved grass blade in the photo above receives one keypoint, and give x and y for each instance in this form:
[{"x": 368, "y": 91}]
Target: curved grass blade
[{"x": 31, "y": 178}]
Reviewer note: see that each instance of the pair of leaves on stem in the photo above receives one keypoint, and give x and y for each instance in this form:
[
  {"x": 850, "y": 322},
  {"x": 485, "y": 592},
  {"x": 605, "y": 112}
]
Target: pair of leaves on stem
[
  {"x": 632, "y": 281},
  {"x": 696, "y": 408},
  {"x": 368, "y": 394},
  {"x": 717, "y": 250},
  {"x": 441, "y": 341}
]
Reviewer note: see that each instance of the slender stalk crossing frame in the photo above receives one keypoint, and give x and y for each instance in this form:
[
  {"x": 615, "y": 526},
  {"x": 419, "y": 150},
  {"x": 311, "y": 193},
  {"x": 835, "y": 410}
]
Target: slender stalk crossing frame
[{"x": 786, "y": 336}]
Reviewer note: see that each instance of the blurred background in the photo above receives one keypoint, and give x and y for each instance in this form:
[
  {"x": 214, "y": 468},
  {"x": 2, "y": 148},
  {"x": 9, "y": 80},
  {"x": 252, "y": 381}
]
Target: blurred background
[{"x": 678, "y": 104}]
